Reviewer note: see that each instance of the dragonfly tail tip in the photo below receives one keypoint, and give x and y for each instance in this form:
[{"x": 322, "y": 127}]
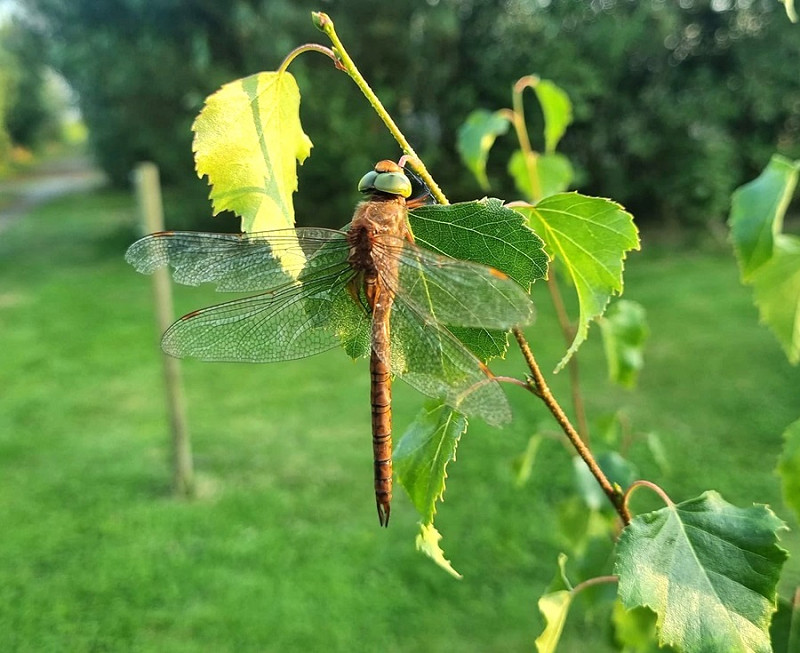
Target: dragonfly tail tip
[{"x": 383, "y": 514}]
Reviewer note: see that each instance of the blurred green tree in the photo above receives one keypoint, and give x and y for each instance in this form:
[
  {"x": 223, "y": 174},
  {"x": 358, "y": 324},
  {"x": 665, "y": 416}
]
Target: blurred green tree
[
  {"x": 8, "y": 73},
  {"x": 32, "y": 109},
  {"x": 676, "y": 103}
]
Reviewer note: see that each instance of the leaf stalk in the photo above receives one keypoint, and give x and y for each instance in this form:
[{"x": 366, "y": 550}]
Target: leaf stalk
[
  {"x": 648, "y": 484},
  {"x": 518, "y": 115},
  {"x": 308, "y": 47}
]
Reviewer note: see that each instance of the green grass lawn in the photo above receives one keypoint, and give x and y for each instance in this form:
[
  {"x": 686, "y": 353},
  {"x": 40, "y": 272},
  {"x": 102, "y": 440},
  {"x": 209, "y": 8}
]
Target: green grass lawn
[{"x": 282, "y": 551}]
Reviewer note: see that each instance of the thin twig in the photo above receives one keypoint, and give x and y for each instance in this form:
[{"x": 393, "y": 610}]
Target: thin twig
[
  {"x": 542, "y": 390},
  {"x": 324, "y": 23}
]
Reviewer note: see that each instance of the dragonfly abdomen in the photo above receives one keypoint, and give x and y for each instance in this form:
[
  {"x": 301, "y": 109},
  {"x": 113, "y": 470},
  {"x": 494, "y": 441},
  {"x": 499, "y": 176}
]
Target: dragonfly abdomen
[{"x": 381, "y": 400}]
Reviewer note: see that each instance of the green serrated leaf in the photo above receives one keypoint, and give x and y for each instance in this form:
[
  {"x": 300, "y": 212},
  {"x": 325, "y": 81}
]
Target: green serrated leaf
[
  {"x": 624, "y": 329},
  {"x": 757, "y": 211},
  {"x": 776, "y": 286},
  {"x": 590, "y": 236},
  {"x": 423, "y": 453},
  {"x": 486, "y": 232},
  {"x": 428, "y": 543},
  {"x": 552, "y": 174},
  {"x": 476, "y": 137},
  {"x": 615, "y": 467},
  {"x": 789, "y": 467},
  {"x": 554, "y": 608},
  {"x": 248, "y": 140},
  {"x": 707, "y": 569},
  {"x": 557, "y": 110}
]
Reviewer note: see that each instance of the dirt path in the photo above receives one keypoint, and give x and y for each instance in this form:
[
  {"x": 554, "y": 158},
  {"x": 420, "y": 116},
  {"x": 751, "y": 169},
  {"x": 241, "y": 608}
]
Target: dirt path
[{"x": 50, "y": 181}]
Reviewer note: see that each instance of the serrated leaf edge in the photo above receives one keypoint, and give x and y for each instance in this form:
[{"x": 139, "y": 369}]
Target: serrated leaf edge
[
  {"x": 582, "y": 331},
  {"x": 674, "y": 509},
  {"x": 427, "y": 542}
]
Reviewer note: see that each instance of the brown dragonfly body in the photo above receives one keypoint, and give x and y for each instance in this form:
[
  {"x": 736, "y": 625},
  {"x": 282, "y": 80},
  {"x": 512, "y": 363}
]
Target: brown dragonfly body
[
  {"x": 381, "y": 218},
  {"x": 367, "y": 288}
]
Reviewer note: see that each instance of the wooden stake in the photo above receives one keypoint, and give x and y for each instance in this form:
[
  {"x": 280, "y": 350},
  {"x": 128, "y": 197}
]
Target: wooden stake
[{"x": 151, "y": 210}]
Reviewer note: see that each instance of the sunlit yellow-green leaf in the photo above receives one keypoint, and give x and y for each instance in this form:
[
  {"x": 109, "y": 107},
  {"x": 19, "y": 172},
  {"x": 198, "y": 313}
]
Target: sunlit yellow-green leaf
[
  {"x": 554, "y": 608},
  {"x": 248, "y": 141},
  {"x": 590, "y": 236},
  {"x": 428, "y": 542},
  {"x": 791, "y": 12}
]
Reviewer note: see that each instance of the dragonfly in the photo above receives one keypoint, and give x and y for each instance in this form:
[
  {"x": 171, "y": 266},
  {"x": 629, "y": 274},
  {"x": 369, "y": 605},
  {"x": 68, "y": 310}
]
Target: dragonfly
[{"x": 368, "y": 288}]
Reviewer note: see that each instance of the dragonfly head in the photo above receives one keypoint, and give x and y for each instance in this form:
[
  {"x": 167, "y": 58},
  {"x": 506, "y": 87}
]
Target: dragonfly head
[{"x": 387, "y": 177}]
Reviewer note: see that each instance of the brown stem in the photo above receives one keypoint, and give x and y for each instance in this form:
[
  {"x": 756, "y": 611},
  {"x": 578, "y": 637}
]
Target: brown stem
[{"x": 543, "y": 391}]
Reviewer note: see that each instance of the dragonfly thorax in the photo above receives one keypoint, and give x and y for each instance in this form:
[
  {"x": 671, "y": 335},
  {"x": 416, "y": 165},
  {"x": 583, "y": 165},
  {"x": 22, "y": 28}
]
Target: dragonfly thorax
[{"x": 377, "y": 229}]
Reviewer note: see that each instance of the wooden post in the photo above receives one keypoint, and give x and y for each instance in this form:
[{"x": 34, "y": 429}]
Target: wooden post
[{"x": 148, "y": 194}]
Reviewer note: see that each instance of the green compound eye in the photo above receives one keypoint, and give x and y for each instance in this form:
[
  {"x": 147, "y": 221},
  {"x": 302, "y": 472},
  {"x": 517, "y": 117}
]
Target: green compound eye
[
  {"x": 367, "y": 182},
  {"x": 395, "y": 183}
]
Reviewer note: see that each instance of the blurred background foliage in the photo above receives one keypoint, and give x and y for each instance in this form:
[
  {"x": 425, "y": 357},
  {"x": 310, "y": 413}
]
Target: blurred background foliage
[{"x": 676, "y": 103}]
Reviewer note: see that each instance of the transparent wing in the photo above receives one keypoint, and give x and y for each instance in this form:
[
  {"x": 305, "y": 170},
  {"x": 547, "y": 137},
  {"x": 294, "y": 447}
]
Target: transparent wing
[
  {"x": 429, "y": 358},
  {"x": 292, "y": 321},
  {"x": 458, "y": 293},
  {"x": 235, "y": 262}
]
